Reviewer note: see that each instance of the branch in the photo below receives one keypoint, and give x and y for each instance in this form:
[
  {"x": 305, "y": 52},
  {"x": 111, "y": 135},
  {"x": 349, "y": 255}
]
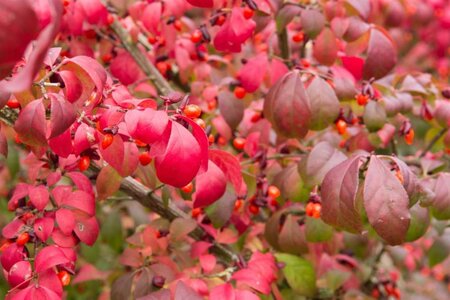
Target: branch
[
  {"x": 283, "y": 43},
  {"x": 433, "y": 141}
]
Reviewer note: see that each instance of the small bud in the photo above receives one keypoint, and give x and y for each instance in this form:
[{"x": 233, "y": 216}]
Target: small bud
[{"x": 158, "y": 281}]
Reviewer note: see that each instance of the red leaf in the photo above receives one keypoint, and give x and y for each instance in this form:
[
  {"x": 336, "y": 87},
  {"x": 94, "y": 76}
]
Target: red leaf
[
  {"x": 251, "y": 75},
  {"x": 209, "y": 186},
  {"x": 84, "y": 137},
  {"x": 354, "y": 65},
  {"x": 361, "y": 6},
  {"x": 64, "y": 240},
  {"x": 89, "y": 272},
  {"x": 229, "y": 165},
  {"x": 223, "y": 292},
  {"x": 231, "y": 109},
  {"x": 340, "y": 206},
  {"x": 108, "y": 182},
  {"x": 94, "y": 10},
  {"x": 62, "y": 144},
  {"x": 12, "y": 229},
  {"x": 63, "y": 115},
  {"x": 151, "y": 17},
  {"x": 66, "y": 220},
  {"x": 18, "y": 273},
  {"x": 31, "y": 124},
  {"x": 82, "y": 201},
  {"x": 200, "y": 135},
  {"x": 207, "y": 262},
  {"x": 43, "y": 227},
  {"x": 252, "y": 279},
  {"x": 381, "y": 54},
  {"x": 73, "y": 88},
  {"x": 115, "y": 153},
  {"x": 234, "y": 32},
  {"x": 12, "y": 255},
  {"x": 124, "y": 68},
  {"x": 87, "y": 230},
  {"x": 20, "y": 39},
  {"x": 82, "y": 182},
  {"x": 325, "y": 47},
  {"x": 184, "y": 292},
  {"x": 15, "y": 36},
  {"x": 60, "y": 193},
  {"x": 181, "y": 159},
  {"x": 386, "y": 202},
  {"x": 147, "y": 125},
  {"x": 49, "y": 257},
  {"x": 39, "y": 196},
  {"x": 201, "y": 3}
]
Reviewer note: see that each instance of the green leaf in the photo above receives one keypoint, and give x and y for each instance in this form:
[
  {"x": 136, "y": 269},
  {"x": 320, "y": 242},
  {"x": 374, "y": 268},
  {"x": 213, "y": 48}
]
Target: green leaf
[
  {"x": 335, "y": 279},
  {"x": 299, "y": 273},
  {"x": 317, "y": 231},
  {"x": 111, "y": 231},
  {"x": 439, "y": 250}
]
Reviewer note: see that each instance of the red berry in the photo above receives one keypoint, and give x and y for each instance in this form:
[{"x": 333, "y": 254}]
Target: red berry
[
  {"x": 13, "y": 103},
  {"x": 220, "y": 20},
  {"x": 163, "y": 67},
  {"x": 239, "y": 143},
  {"x": 188, "y": 188},
  {"x": 313, "y": 209},
  {"x": 196, "y": 36},
  {"x": 362, "y": 99},
  {"x": 106, "y": 57},
  {"x": 177, "y": 25},
  {"x": 145, "y": 158},
  {"x": 253, "y": 209},
  {"x": 84, "y": 163},
  {"x": 109, "y": 19},
  {"x": 211, "y": 139},
  {"x": 107, "y": 140},
  {"x": 273, "y": 192},
  {"x": 192, "y": 111},
  {"x": 239, "y": 92},
  {"x": 238, "y": 204},
  {"x": 64, "y": 277},
  {"x": 23, "y": 238},
  {"x": 298, "y": 37},
  {"x": 152, "y": 39},
  {"x": 248, "y": 13},
  {"x": 256, "y": 117},
  {"x": 341, "y": 127},
  {"x": 409, "y": 137},
  {"x": 196, "y": 212}
]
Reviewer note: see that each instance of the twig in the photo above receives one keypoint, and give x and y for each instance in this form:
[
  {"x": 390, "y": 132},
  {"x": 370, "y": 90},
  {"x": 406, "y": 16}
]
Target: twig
[
  {"x": 273, "y": 157},
  {"x": 283, "y": 43},
  {"x": 433, "y": 141}
]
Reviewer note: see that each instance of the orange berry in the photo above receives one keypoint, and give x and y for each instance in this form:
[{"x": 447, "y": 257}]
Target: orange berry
[
  {"x": 163, "y": 67},
  {"x": 200, "y": 123},
  {"x": 4, "y": 244},
  {"x": 107, "y": 140},
  {"x": 17, "y": 139},
  {"x": 177, "y": 25},
  {"x": 23, "y": 238},
  {"x": 248, "y": 13},
  {"x": 188, "y": 188},
  {"x": 212, "y": 104},
  {"x": 211, "y": 139},
  {"x": 298, "y": 37},
  {"x": 221, "y": 141},
  {"x": 239, "y": 92},
  {"x": 238, "y": 204},
  {"x": 196, "y": 212},
  {"x": 145, "y": 158},
  {"x": 409, "y": 137},
  {"x": 273, "y": 192},
  {"x": 140, "y": 143},
  {"x": 13, "y": 103},
  {"x": 192, "y": 111},
  {"x": 341, "y": 127},
  {"x": 239, "y": 143},
  {"x": 196, "y": 36},
  {"x": 253, "y": 209},
  {"x": 362, "y": 99},
  {"x": 313, "y": 209},
  {"x": 399, "y": 176},
  {"x": 64, "y": 277},
  {"x": 84, "y": 163}
]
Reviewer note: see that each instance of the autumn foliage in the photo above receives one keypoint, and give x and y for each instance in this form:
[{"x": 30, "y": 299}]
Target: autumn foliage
[{"x": 218, "y": 149}]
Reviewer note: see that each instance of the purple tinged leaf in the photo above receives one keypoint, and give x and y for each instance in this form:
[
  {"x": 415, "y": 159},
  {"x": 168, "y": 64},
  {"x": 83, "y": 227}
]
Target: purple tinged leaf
[
  {"x": 386, "y": 202},
  {"x": 147, "y": 125},
  {"x": 324, "y": 104},
  {"x": 312, "y": 22},
  {"x": 63, "y": 115},
  {"x": 49, "y": 257},
  {"x": 182, "y": 156},
  {"x": 184, "y": 292},
  {"x": 341, "y": 205},
  {"x": 420, "y": 220},
  {"x": 362, "y": 7},
  {"x": 32, "y": 125},
  {"x": 251, "y": 75},
  {"x": 108, "y": 182},
  {"x": 285, "y": 15},
  {"x": 3, "y": 144},
  {"x": 39, "y": 196},
  {"x": 322, "y": 158},
  {"x": 325, "y": 47},
  {"x": 441, "y": 202},
  {"x": 229, "y": 165},
  {"x": 209, "y": 186},
  {"x": 43, "y": 227},
  {"x": 231, "y": 109},
  {"x": 381, "y": 54},
  {"x": 291, "y": 238},
  {"x": 287, "y": 106}
]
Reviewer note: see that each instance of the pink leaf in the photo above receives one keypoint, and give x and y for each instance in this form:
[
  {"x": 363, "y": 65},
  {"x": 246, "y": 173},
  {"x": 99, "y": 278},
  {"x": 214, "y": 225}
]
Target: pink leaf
[
  {"x": 12, "y": 255},
  {"x": 151, "y": 17},
  {"x": 12, "y": 229},
  {"x": 207, "y": 262},
  {"x": 89, "y": 272},
  {"x": 325, "y": 47},
  {"x": 15, "y": 36},
  {"x": 246, "y": 295},
  {"x": 18, "y": 273},
  {"x": 251, "y": 75},
  {"x": 147, "y": 125},
  {"x": 82, "y": 201},
  {"x": 124, "y": 68},
  {"x": 31, "y": 124},
  {"x": 62, "y": 116},
  {"x": 201, "y": 3},
  {"x": 20, "y": 39},
  {"x": 234, "y": 32},
  {"x": 62, "y": 144},
  {"x": 354, "y": 65},
  {"x": 49, "y": 257},
  {"x": 64, "y": 240},
  {"x": 60, "y": 193},
  {"x": 381, "y": 54},
  {"x": 223, "y": 292},
  {"x": 84, "y": 138},
  {"x": 184, "y": 292},
  {"x": 73, "y": 88},
  {"x": 66, "y": 220},
  {"x": 94, "y": 10},
  {"x": 87, "y": 230},
  {"x": 210, "y": 186},
  {"x": 49, "y": 280},
  {"x": 39, "y": 196},
  {"x": 115, "y": 153},
  {"x": 386, "y": 202},
  {"x": 200, "y": 135},
  {"x": 252, "y": 279},
  {"x": 277, "y": 69},
  {"x": 181, "y": 159},
  {"x": 82, "y": 182},
  {"x": 43, "y": 227},
  {"x": 229, "y": 165}
]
